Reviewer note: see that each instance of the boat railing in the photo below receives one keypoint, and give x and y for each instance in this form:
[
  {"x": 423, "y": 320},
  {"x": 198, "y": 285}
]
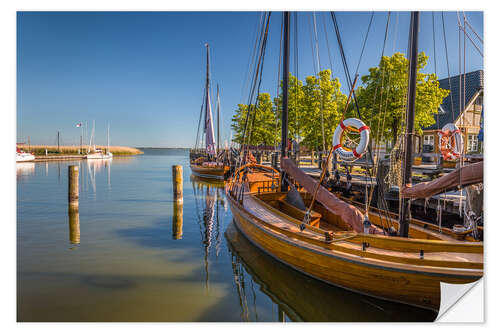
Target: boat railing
[{"x": 268, "y": 186}]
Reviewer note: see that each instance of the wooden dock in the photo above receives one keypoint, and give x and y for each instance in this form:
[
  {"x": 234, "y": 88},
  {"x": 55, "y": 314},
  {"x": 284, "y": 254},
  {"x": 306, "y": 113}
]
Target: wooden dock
[{"x": 47, "y": 158}]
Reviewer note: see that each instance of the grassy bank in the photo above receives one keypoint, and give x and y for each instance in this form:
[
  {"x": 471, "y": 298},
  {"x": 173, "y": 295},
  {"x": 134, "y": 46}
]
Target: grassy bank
[{"x": 73, "y": 150}]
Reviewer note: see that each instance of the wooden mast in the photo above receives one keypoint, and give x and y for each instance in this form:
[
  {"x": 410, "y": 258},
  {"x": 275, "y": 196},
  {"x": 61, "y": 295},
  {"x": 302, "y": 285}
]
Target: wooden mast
[
  {"x": 218, "y": 121},
  {"x": 207, "y": 98},
  {"x": 404, "y": 208},
  {"x": 284, "y": 113}
]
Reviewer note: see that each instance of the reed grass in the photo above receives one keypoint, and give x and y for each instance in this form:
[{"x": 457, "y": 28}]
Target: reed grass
[{"x": 73, "y": 150}]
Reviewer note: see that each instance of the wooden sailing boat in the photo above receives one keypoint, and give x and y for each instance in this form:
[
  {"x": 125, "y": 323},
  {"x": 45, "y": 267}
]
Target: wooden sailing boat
[
  {"x": 335, "y": 243},
  {"x": 285, "y": 287},
  {"x": 207, "y": 163}
]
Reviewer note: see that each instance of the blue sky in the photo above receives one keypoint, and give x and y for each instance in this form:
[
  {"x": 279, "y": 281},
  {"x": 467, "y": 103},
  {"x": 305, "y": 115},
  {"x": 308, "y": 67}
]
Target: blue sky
[{"x": 143, "y": 72}]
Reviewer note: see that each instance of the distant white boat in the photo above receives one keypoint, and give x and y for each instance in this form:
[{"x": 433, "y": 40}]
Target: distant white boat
[
  {"x": 22, "y": 156},
  {"x": 98, "y": 153}
]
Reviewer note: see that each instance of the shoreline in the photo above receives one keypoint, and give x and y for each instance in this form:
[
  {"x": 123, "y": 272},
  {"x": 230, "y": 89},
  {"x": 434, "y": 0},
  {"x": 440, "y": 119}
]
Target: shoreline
[{"x": 51, "y": 152}]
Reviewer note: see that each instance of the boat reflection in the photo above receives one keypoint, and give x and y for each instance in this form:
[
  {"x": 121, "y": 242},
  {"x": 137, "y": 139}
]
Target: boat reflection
[
  {"x": 95, "y": 166},
  {"x": 301, "y": 298},
  {"x": 209, "y": 197},
  {"x": 25, "y": 169}
]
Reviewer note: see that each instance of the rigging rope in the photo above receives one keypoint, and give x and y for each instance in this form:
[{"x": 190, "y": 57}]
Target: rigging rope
[
  {"x": 258, "y": 70},
  {"x": 327, "y": 44},
  {"x": 321, "y": 106},
  {"x": 199, "y": 120},
  {"x": 296, "y": 67},
  {"x": 435, "y": 71},
  {"x": 278, "y": 91},
  {"x": 462, "y": 116},
  {"x": 364, "y": 43},
  {"x": 252, "y": 56},
  {"x": 448, "y": 66},
  {"x": 379, "y": 135},
  {"x": 348, "y": 78}
]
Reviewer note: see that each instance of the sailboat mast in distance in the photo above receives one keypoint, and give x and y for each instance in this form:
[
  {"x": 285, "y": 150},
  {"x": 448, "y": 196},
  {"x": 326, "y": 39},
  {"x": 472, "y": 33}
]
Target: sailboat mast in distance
[
  {"x": 284, "y": 114},
  {"x": 410, "y": 119},
  {"x": 108, "y": 138}
]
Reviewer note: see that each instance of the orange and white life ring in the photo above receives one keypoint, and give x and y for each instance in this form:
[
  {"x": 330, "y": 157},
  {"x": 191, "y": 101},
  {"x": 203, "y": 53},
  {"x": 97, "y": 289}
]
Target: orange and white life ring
[
  {"x": 451, "y": 143},
  {"x": 346, "y": 153}
]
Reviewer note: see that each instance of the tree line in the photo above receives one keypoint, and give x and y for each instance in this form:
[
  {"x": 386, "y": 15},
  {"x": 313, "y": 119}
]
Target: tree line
[{"x": 316, "y": 106}]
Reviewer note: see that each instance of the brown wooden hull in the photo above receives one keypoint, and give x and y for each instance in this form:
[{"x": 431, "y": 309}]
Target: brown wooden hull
[
  {"x": 405, "y": 283},
  {"x": 209, "y": 172},
  {"x": 318, "y": 302}
]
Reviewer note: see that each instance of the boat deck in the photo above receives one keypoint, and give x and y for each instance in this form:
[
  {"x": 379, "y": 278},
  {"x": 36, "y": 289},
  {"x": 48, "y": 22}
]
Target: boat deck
[{"x": 273, "y": 217}]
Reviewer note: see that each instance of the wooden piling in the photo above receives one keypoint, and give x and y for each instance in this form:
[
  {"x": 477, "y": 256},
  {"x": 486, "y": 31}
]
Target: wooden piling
[
  {"x": 177, "y": 220},
  {"x": 73, "y": 185},
  {"x": 177, "y": 182}
]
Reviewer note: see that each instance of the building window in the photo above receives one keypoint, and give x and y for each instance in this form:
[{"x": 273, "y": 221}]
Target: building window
[
  {"x": 472, "y": 143},
  {"x": 429, "y": 140}
]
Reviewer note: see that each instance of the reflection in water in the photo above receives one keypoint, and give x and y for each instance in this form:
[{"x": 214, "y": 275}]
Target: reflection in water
[
  {"x": 24, "y": 169},
  {"x": 207, "y": 196},
  {"x": 128, "y": 267},
  {"x": 300, "y": 298},
  {"x": 177, "y": 220},
  {"x": 74, "y": 224},
  {"x": 94, "y": 166}
]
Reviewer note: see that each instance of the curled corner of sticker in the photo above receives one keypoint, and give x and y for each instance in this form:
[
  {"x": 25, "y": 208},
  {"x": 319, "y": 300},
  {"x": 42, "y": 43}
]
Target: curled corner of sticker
[{"x": 461, "y": 302}]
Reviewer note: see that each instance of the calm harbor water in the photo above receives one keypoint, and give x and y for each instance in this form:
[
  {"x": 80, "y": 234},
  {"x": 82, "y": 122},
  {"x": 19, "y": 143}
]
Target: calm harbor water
[{"x": 127, "y": 257}]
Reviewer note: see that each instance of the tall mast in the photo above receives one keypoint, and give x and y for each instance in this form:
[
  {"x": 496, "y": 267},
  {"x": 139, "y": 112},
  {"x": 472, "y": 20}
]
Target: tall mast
[
  {"x": 218, "y": 119},
  {"x": 284, "y": 113},
  {"x": 209, "y": 127},
  {"x": 404, "y": 209},
  {"x": 108, "y": 139},
  {"x": 207, "y": 85},
  {"x": 91, "y": 135}
]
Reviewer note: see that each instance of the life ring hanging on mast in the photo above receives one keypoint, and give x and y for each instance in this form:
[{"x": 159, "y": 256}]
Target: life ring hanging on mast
[
  {"x": 353, "y": 153},
  {"x": 451, "y": 142}
]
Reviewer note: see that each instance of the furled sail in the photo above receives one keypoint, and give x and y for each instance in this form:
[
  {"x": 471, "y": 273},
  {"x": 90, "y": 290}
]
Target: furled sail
[
  {"x": 209, "y": 125},
  {"x": 347, "y": 212},
  {"x": 467, "y": 175},
  {"x": 209, "y": 128}
]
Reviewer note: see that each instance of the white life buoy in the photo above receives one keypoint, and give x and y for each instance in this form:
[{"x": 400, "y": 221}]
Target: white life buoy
[
  {"x": 451, "y": 143},
  {"x": 347, "y": 154}
]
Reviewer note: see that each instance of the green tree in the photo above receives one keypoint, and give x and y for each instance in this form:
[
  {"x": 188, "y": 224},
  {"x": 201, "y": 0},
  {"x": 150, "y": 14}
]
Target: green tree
[
  {"x": 306, "y": 103},
  {"x": 382, "y": 98},
  {"x": 321, "y": 95},
  {"x": 295, "y": 105},
  {"x": 261, "y": 122}
]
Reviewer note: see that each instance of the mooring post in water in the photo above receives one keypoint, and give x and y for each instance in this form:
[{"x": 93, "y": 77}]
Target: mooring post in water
[
  {"x": 73, "y": 214},
  {"x": 177, "y": 182},
  {"x": 73, "y": 185},
  {"x": 177, "y": 220}
]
